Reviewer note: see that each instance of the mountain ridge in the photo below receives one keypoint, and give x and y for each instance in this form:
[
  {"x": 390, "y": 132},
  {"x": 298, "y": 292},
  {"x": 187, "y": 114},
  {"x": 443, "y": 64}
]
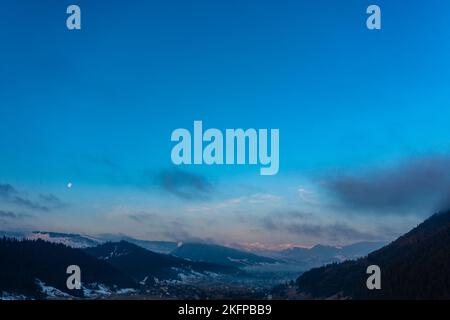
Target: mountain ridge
[
  {"x": 213, "y": 253},
  {"x": 145, "y": 265},
  {"x": 412, "y": 267}
]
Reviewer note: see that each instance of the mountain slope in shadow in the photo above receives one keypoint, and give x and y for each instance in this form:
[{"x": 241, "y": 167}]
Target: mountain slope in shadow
[
  {"x": 31, "y": 267},
  {"x": 147, "y": 267},
  {"x": 220, "y": 255},
  {"x": 415, "y": 266}
]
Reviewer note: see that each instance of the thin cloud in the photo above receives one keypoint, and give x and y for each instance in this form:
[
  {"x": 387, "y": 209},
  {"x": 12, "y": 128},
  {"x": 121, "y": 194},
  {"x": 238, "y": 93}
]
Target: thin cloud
[
  {"x": 103, "y": 161},
  {"x": 51, "y": 200},
  {"x": 184, "y": 185},
  {"x": 334, "y": 232},
  {"x": 142, "y": 216},
  {"x": 13, "y": 215},
  {"x": 295, "y": 214},
  {"x": 9, "y": 194}
]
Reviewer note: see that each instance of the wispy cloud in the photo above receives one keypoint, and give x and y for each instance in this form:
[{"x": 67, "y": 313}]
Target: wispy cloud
[
  {"x": 184, "y": 185},
  {"x": 11, "y": 195},
  {"x": 13, "y": 215},
  {"x": 52, "y": 201},
  {"x": 329, "y": 232},
  {"x": 177, "y": 231},
  {"x": 103, "y": 161},
  {"x": 142, "y": 216}
]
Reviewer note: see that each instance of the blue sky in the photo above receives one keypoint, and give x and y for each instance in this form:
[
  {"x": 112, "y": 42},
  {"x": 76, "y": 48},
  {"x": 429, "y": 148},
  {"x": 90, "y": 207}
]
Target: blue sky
[{"x": 357, "y": 110}]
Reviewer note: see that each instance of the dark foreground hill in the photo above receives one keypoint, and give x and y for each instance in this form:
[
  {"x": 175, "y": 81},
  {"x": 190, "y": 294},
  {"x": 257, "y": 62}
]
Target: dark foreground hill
[
  {"x": 30, "y": 268},
  {"x": 415, "y": 266}
]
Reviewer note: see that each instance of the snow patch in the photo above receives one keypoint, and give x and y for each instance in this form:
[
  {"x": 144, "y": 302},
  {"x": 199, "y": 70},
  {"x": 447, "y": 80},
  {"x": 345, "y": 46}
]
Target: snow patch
[
  {"x": 143, "y": 281},
  {"x": 51, "y": 291},
  {"x": 12, "y": 296}
]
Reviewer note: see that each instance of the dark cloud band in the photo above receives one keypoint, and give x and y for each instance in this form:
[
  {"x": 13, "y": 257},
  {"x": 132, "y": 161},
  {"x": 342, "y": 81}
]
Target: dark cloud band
[{"x": 414, "y": 184}]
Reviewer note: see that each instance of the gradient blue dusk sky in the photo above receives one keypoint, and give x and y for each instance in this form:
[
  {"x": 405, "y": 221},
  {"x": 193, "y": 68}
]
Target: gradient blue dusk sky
[{"x": 363, "y": 118}]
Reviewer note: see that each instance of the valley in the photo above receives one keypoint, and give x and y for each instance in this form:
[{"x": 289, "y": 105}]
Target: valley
[
  {"x": 34, "y": 268},
  {"x": 121, "y": 267}
]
